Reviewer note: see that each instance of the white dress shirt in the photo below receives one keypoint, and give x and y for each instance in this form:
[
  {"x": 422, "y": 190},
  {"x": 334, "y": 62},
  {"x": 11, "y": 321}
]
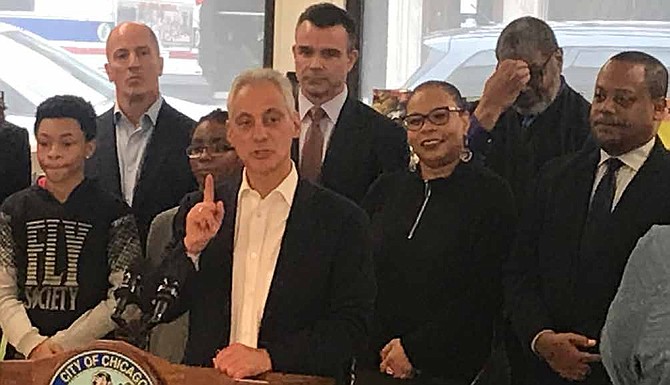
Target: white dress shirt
[
  {"x": 632, "y": 162},
  {"x": 259, "y": 230},
  {"x": 333, "y": 107},
  {"x": 131, "y": 143}
]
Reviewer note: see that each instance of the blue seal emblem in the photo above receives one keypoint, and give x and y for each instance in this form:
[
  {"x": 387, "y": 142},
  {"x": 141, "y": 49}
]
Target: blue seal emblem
[{"x": 100, "y": 367}]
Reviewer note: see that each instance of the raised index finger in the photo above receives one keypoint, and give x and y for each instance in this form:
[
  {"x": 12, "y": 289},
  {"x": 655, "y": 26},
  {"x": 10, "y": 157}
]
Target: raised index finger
[{"x": 208, "y": 194}]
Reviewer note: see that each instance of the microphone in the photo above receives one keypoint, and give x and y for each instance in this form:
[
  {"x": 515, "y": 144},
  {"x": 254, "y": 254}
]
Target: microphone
[
  {"x": 127, "y": 293},
  {"x": 176, "y": 272},
  {"x": 166, "y": 294}
]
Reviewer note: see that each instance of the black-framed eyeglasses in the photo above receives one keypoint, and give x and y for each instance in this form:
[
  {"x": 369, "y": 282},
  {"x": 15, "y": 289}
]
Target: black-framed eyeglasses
[
  {"x": 537, "y": 71},
  {"x": 195, "y": 151},
  {"x": 438, "y": 116}
]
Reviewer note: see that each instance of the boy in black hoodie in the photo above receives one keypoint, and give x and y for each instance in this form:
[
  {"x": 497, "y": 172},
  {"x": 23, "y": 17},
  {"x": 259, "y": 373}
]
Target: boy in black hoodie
[{"x": 64, "y": 242}]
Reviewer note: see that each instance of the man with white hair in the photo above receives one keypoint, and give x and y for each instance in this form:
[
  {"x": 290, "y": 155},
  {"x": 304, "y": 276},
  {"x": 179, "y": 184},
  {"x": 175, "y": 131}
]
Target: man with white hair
[{"x": 281, "y": 276}]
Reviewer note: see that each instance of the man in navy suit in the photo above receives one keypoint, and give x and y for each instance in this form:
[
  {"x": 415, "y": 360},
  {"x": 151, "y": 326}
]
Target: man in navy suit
[
  {"x": 585, "y": 216},
  {"x": 141, "y": 141},
  {"x": 279, "y": 269},
  {"x": 344, "y": 144}
]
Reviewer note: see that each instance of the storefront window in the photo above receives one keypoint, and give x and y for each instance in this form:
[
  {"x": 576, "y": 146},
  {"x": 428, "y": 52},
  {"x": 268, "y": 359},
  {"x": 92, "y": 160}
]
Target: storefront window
[
  {"x": 454, "y": 40},
  {"x": 58, "y": 46}
]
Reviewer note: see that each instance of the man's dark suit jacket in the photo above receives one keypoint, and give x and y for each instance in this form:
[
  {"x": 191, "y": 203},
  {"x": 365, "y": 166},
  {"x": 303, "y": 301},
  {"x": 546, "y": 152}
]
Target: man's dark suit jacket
[
  {"x": 14, "y": 159},
  {"x": 553, "y": 280},
  {"x": 363, "y": 145},
  {"x": 165, "y": 176},
  {"x": 322, "y": 294}
]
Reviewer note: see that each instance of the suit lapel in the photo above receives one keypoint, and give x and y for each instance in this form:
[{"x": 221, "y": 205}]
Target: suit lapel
[
  {"x": 575, "y": 208},
  {"x": 298, "y": 228},
  {"x": 158, "y": 148},
  {"x": 638, "y": 191},
  {"x": 104, "y": 166},
  {"x": 339, "y": 146},
  {"x": 218, "y": 257}
]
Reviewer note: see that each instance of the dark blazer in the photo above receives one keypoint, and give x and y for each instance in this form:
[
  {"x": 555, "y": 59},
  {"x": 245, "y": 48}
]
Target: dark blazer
[
  {"x": 14, "y": 159},
  {"x": 165, "y": 176},
  {"x": 322, "y": 293},
  {"x": 556, "y": 281},
  {"x": 363, "y": 145}
]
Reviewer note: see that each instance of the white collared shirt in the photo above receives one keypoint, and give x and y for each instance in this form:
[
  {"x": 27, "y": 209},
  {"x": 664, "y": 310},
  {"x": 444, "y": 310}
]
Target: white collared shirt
[
  {"x": 333, "y": 107},
  {"x": 632, "y": 162},
  {"x": 259, "y": 230},
  {"x": 131, "y": 144}
]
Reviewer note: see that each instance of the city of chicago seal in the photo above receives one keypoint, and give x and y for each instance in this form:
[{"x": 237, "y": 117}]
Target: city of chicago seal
[{"x": 100, "y": 367}]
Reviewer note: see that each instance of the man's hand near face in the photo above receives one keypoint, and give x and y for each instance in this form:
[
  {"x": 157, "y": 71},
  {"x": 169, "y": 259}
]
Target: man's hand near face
[
  {"x": 501, "y": 90},
  {"x": 203, "y": 220}
]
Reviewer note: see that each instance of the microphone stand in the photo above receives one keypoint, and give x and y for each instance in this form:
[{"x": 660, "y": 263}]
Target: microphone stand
[{"x": 137, "y": 331}]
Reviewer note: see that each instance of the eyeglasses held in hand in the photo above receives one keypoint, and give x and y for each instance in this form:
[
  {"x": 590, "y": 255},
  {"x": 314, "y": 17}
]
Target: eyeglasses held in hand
[{"x": 438, "y": 116}]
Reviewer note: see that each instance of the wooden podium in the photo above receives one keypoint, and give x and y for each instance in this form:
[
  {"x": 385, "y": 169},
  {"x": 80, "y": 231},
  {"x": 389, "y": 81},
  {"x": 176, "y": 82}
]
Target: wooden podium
[{"x": 118, "y": 363}]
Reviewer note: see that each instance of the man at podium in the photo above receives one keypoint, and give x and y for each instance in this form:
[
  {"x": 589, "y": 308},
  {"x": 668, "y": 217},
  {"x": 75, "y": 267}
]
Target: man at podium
[{"x": 279, "y": 270}]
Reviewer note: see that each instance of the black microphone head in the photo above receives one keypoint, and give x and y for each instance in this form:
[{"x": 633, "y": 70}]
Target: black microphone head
[{"x": 166, "y": 294}]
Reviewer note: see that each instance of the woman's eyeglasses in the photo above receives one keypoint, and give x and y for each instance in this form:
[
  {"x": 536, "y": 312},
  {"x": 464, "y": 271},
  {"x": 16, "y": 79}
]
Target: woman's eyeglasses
[
  {"x": 215, "y": 149},
  {"x": 438, "y": 116}
]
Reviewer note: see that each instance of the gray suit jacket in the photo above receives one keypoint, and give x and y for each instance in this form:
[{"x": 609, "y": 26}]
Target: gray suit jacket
[
  {"x": 635, "y": 342},
  {"x": 167, "y": 340}
]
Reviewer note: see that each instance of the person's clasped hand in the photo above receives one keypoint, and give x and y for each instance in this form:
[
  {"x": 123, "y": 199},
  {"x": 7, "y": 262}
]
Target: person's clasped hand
[
  {"x": 564, "y": 354},
  {"x": 45, "y": 349},
  {"x": 394, "y": 361},
  {"x": 240, "y": 361}
]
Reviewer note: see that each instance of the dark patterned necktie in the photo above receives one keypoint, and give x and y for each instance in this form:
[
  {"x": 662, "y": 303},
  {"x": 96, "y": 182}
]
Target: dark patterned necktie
[
  {"x": 312, "y": 150},
  {"x": 601, "y": 204}
]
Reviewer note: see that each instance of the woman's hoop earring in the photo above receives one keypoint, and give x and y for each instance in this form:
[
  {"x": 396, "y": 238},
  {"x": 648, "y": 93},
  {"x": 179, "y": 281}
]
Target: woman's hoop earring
[
  {"x": 466, "y": 153},
  {"x": 413, "y": 159}
]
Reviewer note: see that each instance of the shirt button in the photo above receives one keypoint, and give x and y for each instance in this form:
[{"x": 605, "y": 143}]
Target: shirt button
[{"x": 254, "y": 256}]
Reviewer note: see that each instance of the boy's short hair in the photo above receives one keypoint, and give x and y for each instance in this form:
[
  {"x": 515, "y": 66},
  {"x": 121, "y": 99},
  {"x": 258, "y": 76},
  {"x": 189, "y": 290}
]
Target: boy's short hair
[{"x": 68, "y": 106}]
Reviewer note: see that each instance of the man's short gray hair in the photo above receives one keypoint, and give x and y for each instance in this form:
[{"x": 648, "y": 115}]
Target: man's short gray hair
[
  {"x": 257, "y": 75},
  {"x": 524, "y": 36}
]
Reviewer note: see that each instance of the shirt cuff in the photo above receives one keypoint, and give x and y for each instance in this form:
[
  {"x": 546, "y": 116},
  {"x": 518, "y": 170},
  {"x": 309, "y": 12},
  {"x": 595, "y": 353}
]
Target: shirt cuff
[
  {"x": 195, "y": 258},
  {"x": 537, "y": 336},
  {"x": 30, "y": 342},
  {"x": 475, "y": 128}
]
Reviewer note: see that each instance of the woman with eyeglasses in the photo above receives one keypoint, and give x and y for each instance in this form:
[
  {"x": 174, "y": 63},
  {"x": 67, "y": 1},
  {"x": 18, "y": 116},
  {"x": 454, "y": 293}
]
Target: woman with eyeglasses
[
  {"x": 209, "y": 153},
  {"x": 440, "y": 232}
]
